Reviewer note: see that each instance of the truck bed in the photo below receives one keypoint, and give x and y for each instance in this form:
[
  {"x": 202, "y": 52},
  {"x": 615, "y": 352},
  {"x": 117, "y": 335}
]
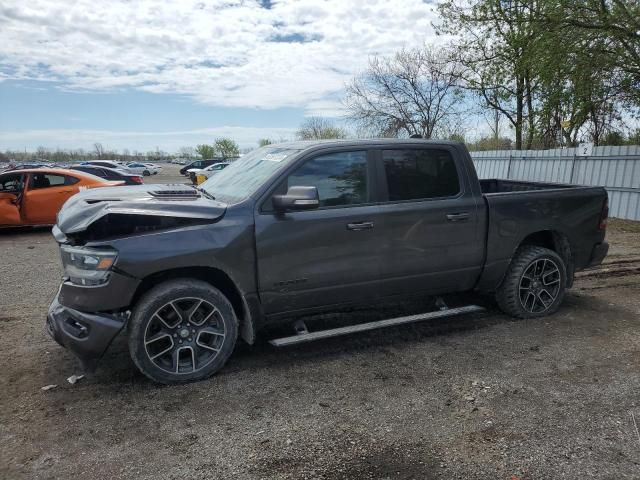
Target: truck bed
[
  {"x": 516, "y": 209},
  {"x": 494, "y": 185}
]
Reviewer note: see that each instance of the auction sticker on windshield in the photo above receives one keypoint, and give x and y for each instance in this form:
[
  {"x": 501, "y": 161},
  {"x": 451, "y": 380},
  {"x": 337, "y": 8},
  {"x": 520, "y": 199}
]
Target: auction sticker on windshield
[{"x": 276, "y": 157}]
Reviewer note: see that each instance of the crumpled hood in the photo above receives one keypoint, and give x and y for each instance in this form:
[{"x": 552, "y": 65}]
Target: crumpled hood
[{"x": 177, "y": 201}]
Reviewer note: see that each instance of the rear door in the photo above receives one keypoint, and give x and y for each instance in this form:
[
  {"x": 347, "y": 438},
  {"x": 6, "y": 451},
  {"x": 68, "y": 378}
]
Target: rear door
[
  {"x": 45, "y": 195},
  {"x": 326, "y": 256},
  {"x": 431, "y": 228}
]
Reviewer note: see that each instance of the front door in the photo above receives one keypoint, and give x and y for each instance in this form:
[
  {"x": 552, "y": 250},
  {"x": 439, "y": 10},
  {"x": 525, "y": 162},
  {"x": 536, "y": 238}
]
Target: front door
[
  {"x": 11, "y": 190},
  {"x": 326, "y": 256},
  {"x": 45, "y": 195},
  {"x": 433, "y": 237}
]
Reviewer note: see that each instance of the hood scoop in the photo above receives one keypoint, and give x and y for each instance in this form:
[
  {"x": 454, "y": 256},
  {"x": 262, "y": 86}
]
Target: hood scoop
[
  {"x": 176, "y": 193},
  {"x": 91, "y": 201}
]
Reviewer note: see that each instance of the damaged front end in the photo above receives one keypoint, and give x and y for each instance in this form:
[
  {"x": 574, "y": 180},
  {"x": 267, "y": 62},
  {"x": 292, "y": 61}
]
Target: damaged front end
[
  {"x": 86, "y": 335},
  {"x": 95, "y": 229}
]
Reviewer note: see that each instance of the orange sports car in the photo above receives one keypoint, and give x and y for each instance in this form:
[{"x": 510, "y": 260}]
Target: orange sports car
[{"x": 34, "y": 196}]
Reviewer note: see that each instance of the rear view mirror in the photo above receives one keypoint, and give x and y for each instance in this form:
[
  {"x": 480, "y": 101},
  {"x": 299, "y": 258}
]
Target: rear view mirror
[{"x": 297, "y": 198}]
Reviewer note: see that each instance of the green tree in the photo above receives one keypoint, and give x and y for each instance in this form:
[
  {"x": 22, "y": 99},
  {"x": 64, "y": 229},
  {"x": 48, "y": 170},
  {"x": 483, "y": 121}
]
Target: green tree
[
  {"x": 226, "y": 148},
  {"x": 556, "y": 70},
  {"x": 263, "y": 142},
  {"x": 611, "y": 31},
  {"x": 206, "y": 151},
  {"x": 495, "y": 40},
  {"x": 491, "y": 143}
]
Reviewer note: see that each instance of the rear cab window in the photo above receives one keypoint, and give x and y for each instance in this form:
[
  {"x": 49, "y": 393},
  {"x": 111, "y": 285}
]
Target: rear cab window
[{"x": 419, "y": 174}]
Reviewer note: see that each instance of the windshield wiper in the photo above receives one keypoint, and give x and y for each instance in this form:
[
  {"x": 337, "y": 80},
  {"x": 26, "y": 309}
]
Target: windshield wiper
[{"x": 205, "y": 193}]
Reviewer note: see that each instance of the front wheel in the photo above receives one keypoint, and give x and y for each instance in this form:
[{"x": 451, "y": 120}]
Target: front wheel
[
  {"x": 146, "y": 173},
  {"x": 534, "y": 284},
  {"x": 181, "y": 331}
]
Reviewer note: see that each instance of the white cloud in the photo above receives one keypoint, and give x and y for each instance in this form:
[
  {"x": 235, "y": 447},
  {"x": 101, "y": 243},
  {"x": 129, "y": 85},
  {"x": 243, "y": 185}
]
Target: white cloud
[
  {"x": 220, "y": 52},
  {"x": 143, "y": 141}
]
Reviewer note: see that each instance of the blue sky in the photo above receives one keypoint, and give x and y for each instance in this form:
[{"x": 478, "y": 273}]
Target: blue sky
[{"x": 147, "y": 74}]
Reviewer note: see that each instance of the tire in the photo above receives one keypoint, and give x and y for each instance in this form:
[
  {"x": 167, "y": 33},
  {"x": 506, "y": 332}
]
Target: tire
[
  {"x": 534, "y": 285},
  {"x": 146, "y": 173},
  {"x": 169, "y": 344}
]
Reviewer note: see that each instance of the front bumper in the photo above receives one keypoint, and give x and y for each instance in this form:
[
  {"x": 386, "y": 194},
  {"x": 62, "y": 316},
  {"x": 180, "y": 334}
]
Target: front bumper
[
  {"x": 87, "y": 335},
  {"x": 598, "y": 253}
]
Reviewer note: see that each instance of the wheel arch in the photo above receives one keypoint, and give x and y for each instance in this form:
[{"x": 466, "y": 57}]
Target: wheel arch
[
  {"x": 216, "y": 278},
  {"x": 556, "y": 241}
]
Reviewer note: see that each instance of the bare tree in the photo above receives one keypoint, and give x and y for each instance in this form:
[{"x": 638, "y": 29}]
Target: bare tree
[
  {"x": 187, "y": 152},
  {"x": 414, "y": 92},
  {"x": 98, "y": 149},
  {"x": 319, "y": 128}
]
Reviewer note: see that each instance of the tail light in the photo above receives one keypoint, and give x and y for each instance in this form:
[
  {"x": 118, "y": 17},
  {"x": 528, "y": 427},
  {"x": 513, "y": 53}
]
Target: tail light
[
  {"x": 604, "y": 215},
  {"x": 136, "y": 179}
]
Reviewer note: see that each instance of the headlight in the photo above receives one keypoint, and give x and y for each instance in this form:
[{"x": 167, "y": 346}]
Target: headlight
[{"x": 87, "y": 266}]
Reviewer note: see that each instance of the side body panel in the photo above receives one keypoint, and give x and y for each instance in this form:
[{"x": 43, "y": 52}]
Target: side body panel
[
  {"x": 310, "y": 259},
  {"x": 41, "y": 205}
]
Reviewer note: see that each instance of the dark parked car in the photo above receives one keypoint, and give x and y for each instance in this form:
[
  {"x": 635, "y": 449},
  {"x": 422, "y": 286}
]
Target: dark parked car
[
  {"x": 104, "y": 163},
  {"x": 110, "y": 174},
  {"x": 307, "y": 227}
]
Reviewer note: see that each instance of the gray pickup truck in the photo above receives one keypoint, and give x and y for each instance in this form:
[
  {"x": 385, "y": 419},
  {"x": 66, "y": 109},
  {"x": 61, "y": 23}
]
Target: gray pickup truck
[{"x": 298, "y": 228}]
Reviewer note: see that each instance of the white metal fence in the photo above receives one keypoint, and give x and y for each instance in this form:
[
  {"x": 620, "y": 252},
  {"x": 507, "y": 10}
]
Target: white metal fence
[{"x": 615, "y": 168}]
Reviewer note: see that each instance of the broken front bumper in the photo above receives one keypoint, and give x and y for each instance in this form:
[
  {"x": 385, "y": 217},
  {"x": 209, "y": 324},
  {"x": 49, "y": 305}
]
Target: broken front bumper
[{"x": 87, "y": 335}]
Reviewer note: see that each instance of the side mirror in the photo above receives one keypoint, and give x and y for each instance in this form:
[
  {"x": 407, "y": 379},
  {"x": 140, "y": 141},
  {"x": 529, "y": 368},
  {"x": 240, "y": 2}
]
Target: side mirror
[{"x": 297, "y": 198}]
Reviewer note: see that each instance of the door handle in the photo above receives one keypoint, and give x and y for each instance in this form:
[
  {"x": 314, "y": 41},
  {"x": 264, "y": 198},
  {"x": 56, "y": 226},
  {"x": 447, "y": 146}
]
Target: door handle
[
  {"x": 360, "y": 226},
  {"x": 458, "y": 217}
]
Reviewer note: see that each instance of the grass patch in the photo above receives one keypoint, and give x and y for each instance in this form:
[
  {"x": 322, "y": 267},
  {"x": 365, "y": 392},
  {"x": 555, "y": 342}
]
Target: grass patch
[{"x": 626, "y": 226}]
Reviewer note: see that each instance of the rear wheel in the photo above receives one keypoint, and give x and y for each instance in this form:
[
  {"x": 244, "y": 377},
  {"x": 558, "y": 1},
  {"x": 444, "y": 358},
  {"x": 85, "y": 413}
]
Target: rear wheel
[
  {"x": 534, "y": 284},
  {"x": 181, "y": 331}
]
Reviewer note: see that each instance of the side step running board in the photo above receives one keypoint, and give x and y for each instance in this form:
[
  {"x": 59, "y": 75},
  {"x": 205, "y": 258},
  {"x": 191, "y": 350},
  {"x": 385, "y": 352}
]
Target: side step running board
[{"x": 306, "y": 336}]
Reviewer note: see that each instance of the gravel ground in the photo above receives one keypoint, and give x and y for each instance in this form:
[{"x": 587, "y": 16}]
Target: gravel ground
[{"x": 477, "y": 397}]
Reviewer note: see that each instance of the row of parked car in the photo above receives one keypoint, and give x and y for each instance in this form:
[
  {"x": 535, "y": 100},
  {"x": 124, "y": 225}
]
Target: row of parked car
[
  {"x": 33, "y": 193},
  {"x": 201, "y": 170},
  {"x": 132, "y": 168}
]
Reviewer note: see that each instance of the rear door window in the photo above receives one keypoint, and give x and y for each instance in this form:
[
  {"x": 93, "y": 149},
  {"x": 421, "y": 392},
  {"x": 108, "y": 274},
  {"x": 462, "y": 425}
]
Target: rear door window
[
  {"x": 69, "y": 180},
  {"x": 48, "y": 180},
  {"x": 417, "y": 174}
]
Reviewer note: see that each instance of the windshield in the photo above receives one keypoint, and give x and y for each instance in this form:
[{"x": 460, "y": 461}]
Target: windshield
[{"x": 244, "y": 176}]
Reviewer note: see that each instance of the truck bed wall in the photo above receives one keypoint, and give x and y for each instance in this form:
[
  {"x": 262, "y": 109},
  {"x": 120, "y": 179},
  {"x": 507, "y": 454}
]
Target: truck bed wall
[
  {"x": 571, "y": 211},
  {"x": 494, "y": 185}
]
